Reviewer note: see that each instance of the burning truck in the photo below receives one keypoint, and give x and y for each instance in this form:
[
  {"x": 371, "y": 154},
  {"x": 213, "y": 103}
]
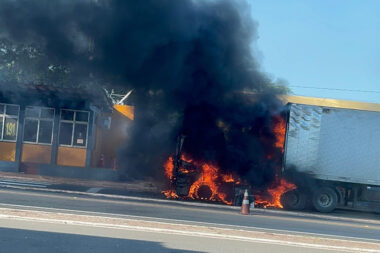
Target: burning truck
[
  {"x": 190, "y": 178},
  {"x": 328, "y": 158}
]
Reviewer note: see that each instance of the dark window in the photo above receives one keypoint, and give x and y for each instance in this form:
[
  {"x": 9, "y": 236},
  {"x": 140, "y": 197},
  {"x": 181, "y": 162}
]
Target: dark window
[
  {"x": 65, "y": 133},
  {"x": 38, "y": 126},
  {"x": 67, "y": 115},
  {"x": 45, "y": 132},
  {"x": 81, "y": 116},
  {"x": 80, "y": 135},
  {"x": 12, "y": 110},
  {"x": 10, "y": 130},
  {"x": 47, "y": 113},
  {"x": 8, "y": 122},
  {"x": 30, "y": 130},
  {"x": 73, "y": 128},
  {"x": 33, "y": 112}
]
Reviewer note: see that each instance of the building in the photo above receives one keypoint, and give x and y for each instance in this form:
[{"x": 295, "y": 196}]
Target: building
[{"x": 55, "y": 131}]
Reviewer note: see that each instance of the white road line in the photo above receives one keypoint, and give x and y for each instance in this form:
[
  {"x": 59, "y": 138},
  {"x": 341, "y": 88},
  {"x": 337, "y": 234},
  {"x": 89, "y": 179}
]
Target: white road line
[
  {"x": 22, "y": 184},
  {"x": 25, "y": 181},
  {"x": 187, "y": 222},
  {"x": 94, "y": 189},
  {"x": 190, "y": 233}
]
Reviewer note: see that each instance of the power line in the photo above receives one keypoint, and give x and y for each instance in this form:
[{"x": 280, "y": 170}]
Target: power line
[{"x": 334, "y": 89}]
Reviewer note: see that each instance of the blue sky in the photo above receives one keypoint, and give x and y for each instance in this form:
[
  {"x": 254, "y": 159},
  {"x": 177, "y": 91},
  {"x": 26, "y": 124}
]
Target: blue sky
[{"x": 332, "y": 44}]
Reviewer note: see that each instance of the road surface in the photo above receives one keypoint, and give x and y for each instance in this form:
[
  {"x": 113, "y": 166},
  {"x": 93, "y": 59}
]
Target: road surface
[{"x": 214, "y": 228}]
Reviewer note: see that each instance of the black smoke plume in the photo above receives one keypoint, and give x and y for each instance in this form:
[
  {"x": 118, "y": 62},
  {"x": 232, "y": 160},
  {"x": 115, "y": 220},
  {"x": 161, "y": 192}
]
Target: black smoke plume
[{"x": 188, "y": 62}]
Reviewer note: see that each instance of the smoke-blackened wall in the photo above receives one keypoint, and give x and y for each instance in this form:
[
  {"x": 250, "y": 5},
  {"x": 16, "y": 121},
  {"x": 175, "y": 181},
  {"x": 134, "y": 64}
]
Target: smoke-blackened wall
[{"x": 187, "y": 61}]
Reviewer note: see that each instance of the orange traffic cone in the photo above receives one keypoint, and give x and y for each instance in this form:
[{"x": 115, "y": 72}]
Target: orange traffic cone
[{"x": 245, "y": 204}]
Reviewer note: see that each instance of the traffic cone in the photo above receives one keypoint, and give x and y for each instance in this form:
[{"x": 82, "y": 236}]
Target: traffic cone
[{"x": 245, "y": 204}]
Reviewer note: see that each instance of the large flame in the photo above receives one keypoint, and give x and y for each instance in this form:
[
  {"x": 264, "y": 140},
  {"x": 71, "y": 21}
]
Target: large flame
[
  {"x": 279, "y": 129},
  {"x": 169, "y": 172},
  {"x": 209, "y": 176},
  {"x": 273, "y": 196},
  {"x": 169, "y": 167}
]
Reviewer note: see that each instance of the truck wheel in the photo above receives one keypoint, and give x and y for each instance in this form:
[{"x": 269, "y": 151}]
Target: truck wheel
[
  {"x": 325, "y": 200},
  {"x": 293, "y": 200}
]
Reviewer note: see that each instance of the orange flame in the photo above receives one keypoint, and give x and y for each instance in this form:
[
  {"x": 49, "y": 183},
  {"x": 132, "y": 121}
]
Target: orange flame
[
  {"x": 169, "y": 167},
  {"x": 186, "y": 159},
  {"x": 273, "y": 200},
  {"x": 272, "y": 196},
  {"x": 209, "y": 175},
  {"x": 279, "y": 130},
  {"x": 228, "y": 178},
  {"x": 170, "y": 194}
]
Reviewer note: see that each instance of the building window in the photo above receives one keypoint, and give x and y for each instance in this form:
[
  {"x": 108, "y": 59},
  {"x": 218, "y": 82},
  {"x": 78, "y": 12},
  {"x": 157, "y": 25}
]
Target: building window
[
  {"x": 38, "y": 125},
  {"x": 9, "y": 122},
  {"x": 73, "y": 129}
]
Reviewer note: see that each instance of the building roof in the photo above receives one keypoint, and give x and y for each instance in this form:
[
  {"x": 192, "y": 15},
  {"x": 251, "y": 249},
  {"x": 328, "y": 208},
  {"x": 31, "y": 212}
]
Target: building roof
[
  {"x": 40, "y": 92},
  {"x": 327, "y": 102},
  {"x": 126, "y": 110}
]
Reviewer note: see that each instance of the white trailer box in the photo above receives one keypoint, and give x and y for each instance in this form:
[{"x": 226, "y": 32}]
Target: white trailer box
[{"x": 334, "y": 144}]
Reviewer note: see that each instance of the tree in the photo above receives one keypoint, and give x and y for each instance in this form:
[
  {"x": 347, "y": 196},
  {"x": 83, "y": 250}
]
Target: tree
[{"x": 27, "y": 63}]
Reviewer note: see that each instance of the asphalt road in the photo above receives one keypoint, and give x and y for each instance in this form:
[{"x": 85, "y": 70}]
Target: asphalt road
[
  {"x": 40, "y": 237},
  {"x": 177, "y": 213}
]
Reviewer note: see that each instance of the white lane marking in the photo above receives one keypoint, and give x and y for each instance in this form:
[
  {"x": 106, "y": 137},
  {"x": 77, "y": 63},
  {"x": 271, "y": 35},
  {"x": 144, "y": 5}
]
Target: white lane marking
[
  {"x": 188, "y": 222},
  {"x": 94, "y": 189},
  {"x": 25, "y": 181},
  {"x": 191, "y": 233},
  {"x": 2, "y": 183}
]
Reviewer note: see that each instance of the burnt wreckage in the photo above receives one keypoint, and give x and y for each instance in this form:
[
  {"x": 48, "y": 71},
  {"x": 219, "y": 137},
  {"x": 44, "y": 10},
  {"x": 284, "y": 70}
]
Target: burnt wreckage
[{"x": 186, "y": 173}]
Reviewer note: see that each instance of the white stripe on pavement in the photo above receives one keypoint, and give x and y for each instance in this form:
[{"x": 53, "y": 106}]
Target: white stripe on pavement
[
  {"x": 25, "y": 181},
  {"x": 94, "y": 189},
  {"x": 22, "y": 184}
]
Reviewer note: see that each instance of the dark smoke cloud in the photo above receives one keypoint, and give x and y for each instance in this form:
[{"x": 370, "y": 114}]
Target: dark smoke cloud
[{"x": 187, "y": 61}]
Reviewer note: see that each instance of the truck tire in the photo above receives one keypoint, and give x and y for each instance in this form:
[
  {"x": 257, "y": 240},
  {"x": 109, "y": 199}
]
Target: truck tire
[
  {"x": 325, "y": 199},
  {"x": 293, "y": 200}
]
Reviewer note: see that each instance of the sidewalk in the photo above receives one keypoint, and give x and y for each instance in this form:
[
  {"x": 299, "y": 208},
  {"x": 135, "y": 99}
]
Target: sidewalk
[{"x": 80, "y": 184}]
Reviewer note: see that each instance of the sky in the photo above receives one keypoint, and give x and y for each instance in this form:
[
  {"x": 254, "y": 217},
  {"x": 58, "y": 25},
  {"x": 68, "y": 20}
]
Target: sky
[{"x": 331, "y": 45}]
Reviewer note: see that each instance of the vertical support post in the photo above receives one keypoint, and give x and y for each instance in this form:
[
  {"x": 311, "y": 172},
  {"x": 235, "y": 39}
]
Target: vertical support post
[
  {"x": 355, "y": 199},
  {"x": 90, "y": 139},
  {"x": 19, "y": 137},
  {"x": 346, "y": 196},
  {"x": 54, "y": 148}
]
